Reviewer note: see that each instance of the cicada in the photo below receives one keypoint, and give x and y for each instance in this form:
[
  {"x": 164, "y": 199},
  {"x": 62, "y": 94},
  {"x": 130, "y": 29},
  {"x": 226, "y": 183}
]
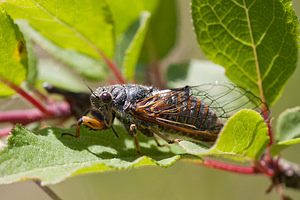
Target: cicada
[{"x": 195, "y": 113}]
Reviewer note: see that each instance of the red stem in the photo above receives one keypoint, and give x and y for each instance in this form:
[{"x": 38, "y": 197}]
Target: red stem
[
  {"x": 229, "y": 167},
  {"x": 6, "y": 130},
  {"x": 266, "y": 116},
  {"x": 160, "y": 82},
  {"x": 28, "y": 97},
  {"x": 58, "y": 110},
  {"x": 113, "y": 68},
  {"x": 42, "y": 97},
  {"x": 270, "y": 132}
]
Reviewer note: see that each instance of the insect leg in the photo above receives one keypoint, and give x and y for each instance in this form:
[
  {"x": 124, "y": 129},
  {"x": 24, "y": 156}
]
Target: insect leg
[
  {"x": 158, "y": 144},
  {"x": 163, "y": 137},
  {"x": 133, "y": 129},
  {"x": 144, "y": 129},
  {"x": 87, "y": 121}
]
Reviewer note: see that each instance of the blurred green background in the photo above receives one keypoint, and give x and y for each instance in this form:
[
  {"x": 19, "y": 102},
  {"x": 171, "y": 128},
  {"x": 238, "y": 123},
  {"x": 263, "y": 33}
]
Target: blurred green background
[{"x": 183, "y": 180}]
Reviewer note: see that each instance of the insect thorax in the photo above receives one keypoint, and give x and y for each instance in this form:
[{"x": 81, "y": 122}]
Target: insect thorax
[{"x": 123, "y": 96}]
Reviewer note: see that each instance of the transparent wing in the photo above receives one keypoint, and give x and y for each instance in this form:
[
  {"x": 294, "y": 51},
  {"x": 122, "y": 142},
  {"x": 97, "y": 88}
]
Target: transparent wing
[{"x": 226, "y": 98}]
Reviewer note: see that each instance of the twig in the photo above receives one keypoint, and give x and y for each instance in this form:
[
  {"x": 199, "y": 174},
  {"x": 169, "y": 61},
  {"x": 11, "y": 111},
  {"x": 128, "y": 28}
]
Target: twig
[
  {"x": 5, "y": 131},
  {"x": 160, "y": 82},
  {"x": 24, "y": 117},
  {"x": 229, "y": 167},
  {"x": 26, "y": 96},
  {"x": 112, "y": 65},
  {"x": 47, "y": 190},
  {"x": 289, "y": 174}
]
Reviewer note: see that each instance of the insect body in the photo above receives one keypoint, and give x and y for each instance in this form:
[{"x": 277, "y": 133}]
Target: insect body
[{"x": 194, "y": 112}]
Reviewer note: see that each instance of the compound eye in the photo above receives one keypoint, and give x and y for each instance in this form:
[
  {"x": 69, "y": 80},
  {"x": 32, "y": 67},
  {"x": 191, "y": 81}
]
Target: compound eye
[{"x": 105, "y": 97}]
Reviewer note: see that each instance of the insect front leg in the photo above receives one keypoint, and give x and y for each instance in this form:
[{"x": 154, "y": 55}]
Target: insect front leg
[{"x": 94, "y": 124}]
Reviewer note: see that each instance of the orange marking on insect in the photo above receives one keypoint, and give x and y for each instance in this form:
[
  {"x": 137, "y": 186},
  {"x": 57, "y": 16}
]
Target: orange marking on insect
[
  {"x": 93, "y": 123},
  {"x": 177, "y": 123},
  {"x": 198, "y": 107},
  {"x": 213, "y": 115},
  {"x": 179, "y": 100},
  {"x": 144, "y": 104},
  {"x": 204, "y": 116},
  {"x": 188, "y": 110}
]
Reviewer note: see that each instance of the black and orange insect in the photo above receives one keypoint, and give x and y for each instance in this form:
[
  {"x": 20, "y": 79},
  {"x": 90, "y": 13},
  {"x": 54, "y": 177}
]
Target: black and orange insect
[{"x": 193, "y": 112}]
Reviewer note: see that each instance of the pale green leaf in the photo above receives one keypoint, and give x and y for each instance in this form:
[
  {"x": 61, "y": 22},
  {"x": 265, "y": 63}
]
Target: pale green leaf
[
  {"x": 125, "y": 12},
  {"x": 244, "y": 138},
  {"x": 54, "y": 73},
  {"x": 13, "y": 54},
  {"x": 255, "y": 40},
  {"x": 288, "y": 130},
  {"x": 86, "y": 26},
  {"x": 89, "y": 67},
  {"x": 196, "y": 72},
  {"x": 130, "y": 44},
  {"x": 288, "y": 125},
  {"x": 177, "y": 71},
  {"x": 47, "y": 156},
  {"x": 193, "y": 148},
  {"x": 278, "y": 147},
  {"x": 32, "y": 71}
]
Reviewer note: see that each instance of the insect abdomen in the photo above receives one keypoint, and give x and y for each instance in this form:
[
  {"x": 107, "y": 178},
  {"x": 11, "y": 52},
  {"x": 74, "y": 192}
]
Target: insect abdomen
[{"x": 193, "y": 114}]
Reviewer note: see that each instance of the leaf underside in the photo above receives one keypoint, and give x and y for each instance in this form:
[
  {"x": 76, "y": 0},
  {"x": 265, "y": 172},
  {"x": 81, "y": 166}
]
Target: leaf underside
[
  {"x": 288, "y": 130},
  {"x": 65, "y": 23},
  {"x": 88, "y": 67}
]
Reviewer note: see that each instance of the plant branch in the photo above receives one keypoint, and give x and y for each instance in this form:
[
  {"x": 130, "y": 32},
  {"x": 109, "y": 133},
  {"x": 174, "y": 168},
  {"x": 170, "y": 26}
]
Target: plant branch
[
  {"x": 289, "y": 174},
  {"x": 159, "y": 80},
  {"x": 28, "y": 97},
  {"x": 6, "y": 130},
  {"x": 24, "y": 117},
  {"x": 113, "y": 67},
  {"x": 229, "y": 167},
  {"x": 47, "y": 190}
]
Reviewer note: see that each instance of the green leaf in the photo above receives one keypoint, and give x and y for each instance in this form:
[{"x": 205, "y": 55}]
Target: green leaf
[
  {"x": 256, "y": 41},
  {"x": 129, "y": 47},
  {"x": 177, "y": 71},
  {"x": 288, "y": 129},
  {"x": 198, "y": 72},
  {"x": 243, "y": 138},
  {"x": 54, "y": 73},
  {"x": 288, "y": 125},
  {"x": 32, "y": 71},
  {"x": 13, "y": 54},
  {"x": 126, "y": 12},
  {"x": 162, "y": 34},
  {"x": 88, "y": 67},
  {"x": 277, "y": 148},
  {"x": 192, "y": 148},
  {"x": 86, "y": 26},
  {"x": 47, "y": 156}
]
